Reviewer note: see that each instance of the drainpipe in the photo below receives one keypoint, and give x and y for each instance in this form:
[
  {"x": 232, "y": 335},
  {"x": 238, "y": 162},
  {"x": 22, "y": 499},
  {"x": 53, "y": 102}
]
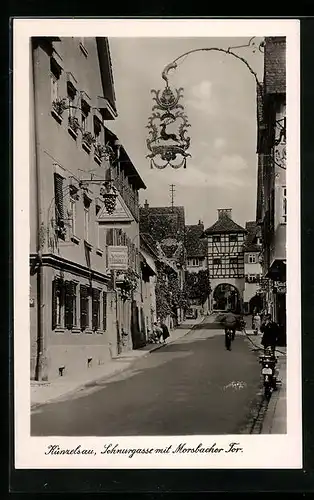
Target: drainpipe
[{"x": 40, "y": 281}]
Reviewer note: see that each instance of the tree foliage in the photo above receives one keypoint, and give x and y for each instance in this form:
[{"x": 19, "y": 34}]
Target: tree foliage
[
  {"x": 197, "y": 285},
  {"x": 169, "y": 296}
]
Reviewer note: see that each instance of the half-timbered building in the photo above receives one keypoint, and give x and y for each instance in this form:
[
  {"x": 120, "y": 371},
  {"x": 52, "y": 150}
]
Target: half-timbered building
[{"x": 226, "y": 262}]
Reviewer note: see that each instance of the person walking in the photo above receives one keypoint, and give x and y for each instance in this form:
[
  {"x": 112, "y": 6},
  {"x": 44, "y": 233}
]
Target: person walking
[
  {"x": 165, "y": 331},
  {"x": 256, "y": 323},
  {"x": 270, "y": 331}
]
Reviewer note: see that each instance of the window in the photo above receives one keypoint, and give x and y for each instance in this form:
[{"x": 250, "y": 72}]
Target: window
[
  {"x": 59, "y": 206},
  {"x": 216, "y": 239},
  {"x": 284, "y": 204},
  {"x": 55, "y": 72},
  {"x": 84, "y": 307},
  {"x": 85, "y": 109},
  {"x": 54, "y": 82},
  {"x": 194, "y": 262},
  {"x": 95, "y": 309},
  {"x": 86, "y": 223},
  {"x": 87, "y": 203},
  {"x": 97, "y": 130},
  {"x": 233, "y": 261},
  {"x": 57, "y": 303},
  {"x": 109, "y": 237},
  {"x": 70, "y": 314},
  {"x": 98, "y": 228},
  {"x": 233, "y": 237},
  {"x": 71, "y": 91},
  {"x": 252, "y": 259},
  {"x": 216, "y": 262},
  {"x": 72, "y": 215}
]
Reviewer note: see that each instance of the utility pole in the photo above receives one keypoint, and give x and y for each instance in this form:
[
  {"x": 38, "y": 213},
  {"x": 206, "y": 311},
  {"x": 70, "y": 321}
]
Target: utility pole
[{"x": 172, "y": 191}]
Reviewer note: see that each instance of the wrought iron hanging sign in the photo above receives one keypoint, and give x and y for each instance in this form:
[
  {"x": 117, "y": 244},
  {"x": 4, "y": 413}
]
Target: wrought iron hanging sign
[
  {"x": 168, "y": 124},
  {"x": 167, "y": 140},
  {"x": 280, "y": 143}
]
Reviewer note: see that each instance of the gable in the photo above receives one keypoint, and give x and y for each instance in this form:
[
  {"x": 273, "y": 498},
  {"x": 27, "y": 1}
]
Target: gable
[{"x": 120, "y": 217}]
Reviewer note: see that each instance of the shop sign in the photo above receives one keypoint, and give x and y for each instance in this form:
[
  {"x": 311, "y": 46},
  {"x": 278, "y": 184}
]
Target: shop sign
[
  {"x": 118, "y": 258},
  {"x": 280, "y": 287}
]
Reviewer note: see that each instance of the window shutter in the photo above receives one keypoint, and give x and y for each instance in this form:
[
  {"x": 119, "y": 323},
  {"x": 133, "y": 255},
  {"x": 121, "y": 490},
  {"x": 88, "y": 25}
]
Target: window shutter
[
  {"x": 68, "y": 305},
  {"x": 95, "y": 308},
  {"x": 54, "y": 304},
  {"x": 104, "y": 305},
  {"x": 109, "y": 236},
  {"x": 59, "y": 209},
  {"x": 61, "y": 291},
  {"x": 84, "y": 307}
]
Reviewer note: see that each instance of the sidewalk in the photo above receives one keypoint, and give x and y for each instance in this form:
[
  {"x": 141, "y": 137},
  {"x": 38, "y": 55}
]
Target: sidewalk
[
  {"x": 44, "y": 392},
  {"x": 275, "y": 421}
]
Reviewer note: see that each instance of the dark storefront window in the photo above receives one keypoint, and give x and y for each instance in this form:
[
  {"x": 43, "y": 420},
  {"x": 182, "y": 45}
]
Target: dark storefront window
[
  {"x": 70, "y": 305},
  {"x": 57, "y": 302},
  {"x": 84, "y": 306},
  {"x": 96, "y": 309},
  {"x": 64, "y": 312}
]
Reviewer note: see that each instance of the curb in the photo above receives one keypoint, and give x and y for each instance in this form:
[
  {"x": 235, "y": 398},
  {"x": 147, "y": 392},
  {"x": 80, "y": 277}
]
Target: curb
[
  {"x": 270, "y": 412},
  {"x": 84, "y": 385}
]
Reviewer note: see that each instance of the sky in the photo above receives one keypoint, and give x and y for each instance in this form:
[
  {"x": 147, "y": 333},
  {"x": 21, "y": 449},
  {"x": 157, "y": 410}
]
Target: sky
[{"x": 220, "y": 102}]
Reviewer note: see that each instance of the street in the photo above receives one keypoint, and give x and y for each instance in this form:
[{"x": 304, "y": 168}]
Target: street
[{"x": 193, "y": 386}]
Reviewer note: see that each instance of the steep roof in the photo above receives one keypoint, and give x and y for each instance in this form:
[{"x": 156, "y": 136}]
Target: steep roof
[
  {"x": 275, "y": 65},
  {"x": 195, "y": 246},
  {"x": 147, "y": 242},
  {"x": 166, "y": 225},
  {"x": 224, "y": 225},
  {"x": 126, "y": 163},
  {"x": 253, "y": 232}
]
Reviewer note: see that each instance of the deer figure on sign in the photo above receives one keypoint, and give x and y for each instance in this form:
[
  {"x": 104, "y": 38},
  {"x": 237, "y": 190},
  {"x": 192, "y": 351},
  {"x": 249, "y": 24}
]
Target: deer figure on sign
[{"x": 164, "y": 135}]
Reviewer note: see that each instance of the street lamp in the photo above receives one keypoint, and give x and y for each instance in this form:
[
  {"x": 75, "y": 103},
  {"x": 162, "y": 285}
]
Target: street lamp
[
  {"x": 168, "y": 147},
  {"x": 107, "y": 190}
]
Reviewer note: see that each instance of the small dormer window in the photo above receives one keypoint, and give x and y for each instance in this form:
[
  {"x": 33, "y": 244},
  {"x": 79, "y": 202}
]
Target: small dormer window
[{"x": 252, "y": 259}]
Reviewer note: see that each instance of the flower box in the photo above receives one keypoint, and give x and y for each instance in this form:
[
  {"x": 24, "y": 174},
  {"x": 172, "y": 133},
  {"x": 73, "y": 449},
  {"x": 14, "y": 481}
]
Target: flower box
[
  {"x": 58, "y": 107},
  {"x": 73, "y": 126}
]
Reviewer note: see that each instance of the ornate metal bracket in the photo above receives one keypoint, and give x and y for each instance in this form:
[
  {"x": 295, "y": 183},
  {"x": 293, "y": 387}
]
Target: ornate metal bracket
[{"x": 279, "y": 153}]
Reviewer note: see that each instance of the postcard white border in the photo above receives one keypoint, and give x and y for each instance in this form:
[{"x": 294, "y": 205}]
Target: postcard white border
[{"x": 260, "y": 451}]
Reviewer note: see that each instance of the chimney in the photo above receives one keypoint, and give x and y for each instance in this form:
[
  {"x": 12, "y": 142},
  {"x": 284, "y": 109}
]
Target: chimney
[
  {"x": 224, "y": 212},
  {"x": 146, "y": 205}
]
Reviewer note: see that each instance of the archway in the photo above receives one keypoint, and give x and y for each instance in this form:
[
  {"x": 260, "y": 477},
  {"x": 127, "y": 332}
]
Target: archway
[{"x": 226, "y": 296}]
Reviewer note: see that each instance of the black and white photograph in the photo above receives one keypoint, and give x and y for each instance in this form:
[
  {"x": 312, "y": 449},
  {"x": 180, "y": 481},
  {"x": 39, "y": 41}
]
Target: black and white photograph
[{"x": 158, "y": 245}]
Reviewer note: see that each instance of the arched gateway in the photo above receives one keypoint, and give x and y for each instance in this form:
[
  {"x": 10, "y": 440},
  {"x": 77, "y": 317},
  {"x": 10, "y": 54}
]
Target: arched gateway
[
  {"x": 226, "y": 262},
  {"x": 226, "y": 296}
]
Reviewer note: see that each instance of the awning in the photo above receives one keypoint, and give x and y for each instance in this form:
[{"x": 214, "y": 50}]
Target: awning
[
  {"x": 147, "y": 267},
  {"x": 277, "y": 270}
]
